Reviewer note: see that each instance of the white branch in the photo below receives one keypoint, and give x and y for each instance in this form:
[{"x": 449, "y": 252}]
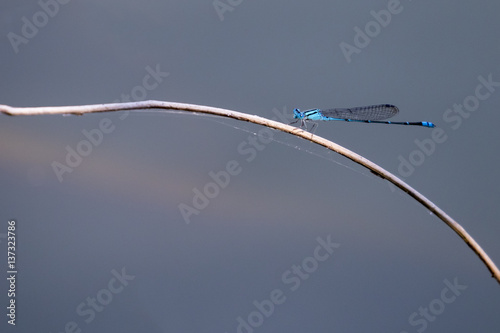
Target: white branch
[{"x": 379, "y": 171}]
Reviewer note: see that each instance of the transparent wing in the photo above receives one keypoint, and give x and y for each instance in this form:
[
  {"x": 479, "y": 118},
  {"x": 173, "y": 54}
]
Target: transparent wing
[{"x": 371, "y": 112}]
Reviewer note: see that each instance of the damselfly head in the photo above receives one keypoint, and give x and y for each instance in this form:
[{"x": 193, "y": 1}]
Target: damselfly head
[{"x": 297, "y": 114}]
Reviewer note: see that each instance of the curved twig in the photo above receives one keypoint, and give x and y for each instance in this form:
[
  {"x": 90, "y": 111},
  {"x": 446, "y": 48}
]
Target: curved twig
[{"x": 374, "y": 168}]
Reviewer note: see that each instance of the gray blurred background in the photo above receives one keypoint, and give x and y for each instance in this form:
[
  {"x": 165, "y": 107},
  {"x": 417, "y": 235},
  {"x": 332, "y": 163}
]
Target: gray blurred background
[{"x": 115, "y": 211}]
